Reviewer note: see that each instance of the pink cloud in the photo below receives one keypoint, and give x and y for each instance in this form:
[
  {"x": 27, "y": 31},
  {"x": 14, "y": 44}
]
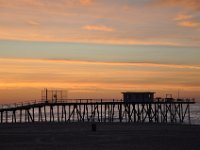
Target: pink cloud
[{"x": 98, "y": 28}]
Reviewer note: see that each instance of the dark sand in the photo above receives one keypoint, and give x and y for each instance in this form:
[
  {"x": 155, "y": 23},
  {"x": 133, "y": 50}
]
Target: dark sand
[{"x": 78, "y": 136}]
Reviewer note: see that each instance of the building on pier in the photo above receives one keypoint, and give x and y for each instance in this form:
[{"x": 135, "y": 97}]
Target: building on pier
[{"x": 138, "y": 96}]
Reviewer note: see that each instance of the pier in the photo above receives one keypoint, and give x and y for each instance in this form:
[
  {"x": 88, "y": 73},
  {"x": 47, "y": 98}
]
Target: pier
[{"x": 91, "y": 110}]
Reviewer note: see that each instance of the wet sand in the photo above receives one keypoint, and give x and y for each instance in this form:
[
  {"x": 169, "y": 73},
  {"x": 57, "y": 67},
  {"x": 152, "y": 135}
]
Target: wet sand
[{"x": 109, "y": 136}]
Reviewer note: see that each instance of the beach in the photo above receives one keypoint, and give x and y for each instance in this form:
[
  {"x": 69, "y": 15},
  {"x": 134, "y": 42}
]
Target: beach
[{"x": 117, "y": 136}]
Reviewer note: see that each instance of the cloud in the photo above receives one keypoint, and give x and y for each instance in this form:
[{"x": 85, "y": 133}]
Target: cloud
[
  {"x": 33, "y": 22},
  {"x": 189, "y": 24},
  {"x": 59, "y": 35},
  {"x": 186, "y": 21},
  {"x": 181, "y": 17},
  {"x": 191, "y": 4},
  {"x": 95, "y": 76},
  {"x": 64, "y": 61},
  {"x": 44, "y": 3},
  {"x": 140, "y": 64},
  {"x": 98, "y": 28},
  {"x": 86, "y": 2},
  {"x": 69, "y": 21}
]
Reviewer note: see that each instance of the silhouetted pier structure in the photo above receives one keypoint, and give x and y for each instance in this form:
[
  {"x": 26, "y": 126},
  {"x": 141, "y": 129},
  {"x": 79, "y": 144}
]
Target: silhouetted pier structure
[
  {"x": 90, "y": 110},
  {"x": 135, "y": 107}
]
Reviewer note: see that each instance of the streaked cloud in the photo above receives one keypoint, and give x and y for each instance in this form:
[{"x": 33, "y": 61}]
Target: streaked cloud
[
  {"x": 107, "y": 34},
  {"x": 44, "y": 4},
  {"x": 192, "y": 4},
  {"x": 181, "y": 17},
  {"x": 86, "y": 2},
  {"x": 33, "y": 22},
  {"x": 139, "y": 64},
  {"x": 90, "y": 21},
  {"x": 189, "y": 24},
  {"x": 98, "y": 28},
  {"x": 186, "y": 21},
  {"x": 37, "y": 35},
  {"x": 95, "y": 77}
]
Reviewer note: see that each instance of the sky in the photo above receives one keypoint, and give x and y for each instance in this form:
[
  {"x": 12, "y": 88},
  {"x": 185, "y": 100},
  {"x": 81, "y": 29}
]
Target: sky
[{"x": 99, "y": 48}]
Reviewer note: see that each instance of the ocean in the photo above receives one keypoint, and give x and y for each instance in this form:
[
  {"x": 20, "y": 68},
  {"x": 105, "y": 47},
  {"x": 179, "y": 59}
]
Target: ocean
[{"x": 195, "y": 113}]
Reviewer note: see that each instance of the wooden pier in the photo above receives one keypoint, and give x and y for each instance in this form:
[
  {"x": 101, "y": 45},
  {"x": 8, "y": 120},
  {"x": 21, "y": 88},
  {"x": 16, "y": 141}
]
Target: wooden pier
[{"x": 97, "y": 111}]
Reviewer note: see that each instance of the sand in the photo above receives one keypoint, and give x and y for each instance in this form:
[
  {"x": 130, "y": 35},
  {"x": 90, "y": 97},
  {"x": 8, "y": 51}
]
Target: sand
[{"x": 116, "y": 136}]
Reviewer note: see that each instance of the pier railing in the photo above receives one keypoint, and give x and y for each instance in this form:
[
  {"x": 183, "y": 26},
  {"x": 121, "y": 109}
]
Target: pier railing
[{"x": 33, "y": 102}]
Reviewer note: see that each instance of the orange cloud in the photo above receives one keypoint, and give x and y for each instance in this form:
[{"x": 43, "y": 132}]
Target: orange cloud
[
  {"x": 86, "y": 2},
  {"x": 181, "y": 17},
  {"x": 189, "y": 24},
  {"x": 43, "y": 4},
  {"x": 27, "y": 34},
  {"x": 64, "y": 21},
  {"x": 185, "y": 21},
  {"x": 142, "y": 64},
  {"x": 98, "y": 28},
  {"x": 193, "y": 4},
  {"x": 94, "y": 77},
  {"x": 33, "y": 22},
  {"x": 63, "y": 61}
]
